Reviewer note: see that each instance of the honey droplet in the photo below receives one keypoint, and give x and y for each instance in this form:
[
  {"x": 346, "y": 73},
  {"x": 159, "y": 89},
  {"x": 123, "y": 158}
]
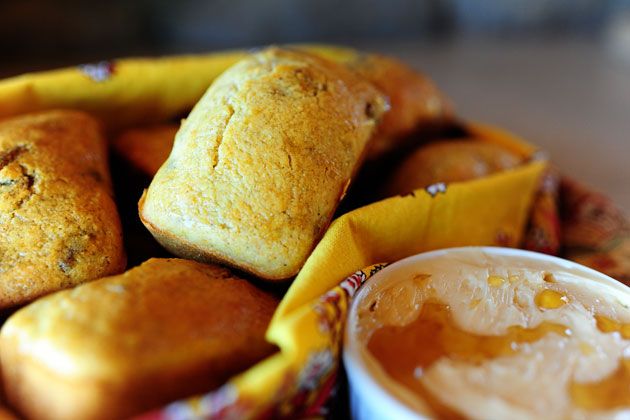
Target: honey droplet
[
  {"x": 474, "y": 303},
  {"x": 405, "y": 350},
  {"x": 612, "y": 392},
  {"x": 586, "y": 348},
  {"x": 495, "y": 281},
  {"x": 550, "y": 299},
  {"x": 513, "y": 279},
  {"x": 607, "y": 325},
  {"x": 421, "y": 278}
]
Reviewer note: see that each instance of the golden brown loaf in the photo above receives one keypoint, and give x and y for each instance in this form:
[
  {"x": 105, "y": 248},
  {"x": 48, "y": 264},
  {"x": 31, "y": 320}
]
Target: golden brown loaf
[
  {"x": 121, "y": 345},
  {"x": 146, "y": 148},
  {"x": 450, "y": 161},
  {"x": 6, "y": 414},
  {"x": 262, "y": 162},
  {"x": 415, "y": 102},
  {"x": 58, "y": 222}
]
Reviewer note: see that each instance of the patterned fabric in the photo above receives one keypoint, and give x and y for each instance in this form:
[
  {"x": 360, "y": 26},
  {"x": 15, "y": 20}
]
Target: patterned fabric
[
  {"x": 579, "y": 224},
  {"x": 594, "y": 231},
  {"x": 98, "y": 72},
  {"x": 543, "y": 232}
]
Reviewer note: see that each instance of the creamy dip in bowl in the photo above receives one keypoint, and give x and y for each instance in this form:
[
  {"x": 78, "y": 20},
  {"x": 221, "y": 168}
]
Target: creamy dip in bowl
[{"x": 489, "y": 333}]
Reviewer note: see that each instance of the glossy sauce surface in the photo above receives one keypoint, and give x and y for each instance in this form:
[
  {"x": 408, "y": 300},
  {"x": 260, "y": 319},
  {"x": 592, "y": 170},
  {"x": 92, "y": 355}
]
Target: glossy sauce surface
[
  {"x": 613, "y": 391},
  {"x": 405, "y": 352},
  {"x": 476, "y": 335},
  {"x": 550, "y": 299},
  {"x": 434, "y": 335},
  {"x": 609, "y": 393}
]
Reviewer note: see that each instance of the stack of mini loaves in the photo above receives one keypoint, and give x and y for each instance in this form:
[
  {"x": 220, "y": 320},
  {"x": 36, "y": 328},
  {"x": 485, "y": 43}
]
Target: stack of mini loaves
[{"x": 253, "y": 180}]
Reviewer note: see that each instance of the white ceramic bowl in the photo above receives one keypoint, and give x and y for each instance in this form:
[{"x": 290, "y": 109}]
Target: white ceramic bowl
[{"x": 369, "y": 398}]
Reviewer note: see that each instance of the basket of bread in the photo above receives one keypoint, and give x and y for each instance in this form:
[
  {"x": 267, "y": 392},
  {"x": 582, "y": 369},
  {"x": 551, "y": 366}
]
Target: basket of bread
[{"x": 182, "y": 237}]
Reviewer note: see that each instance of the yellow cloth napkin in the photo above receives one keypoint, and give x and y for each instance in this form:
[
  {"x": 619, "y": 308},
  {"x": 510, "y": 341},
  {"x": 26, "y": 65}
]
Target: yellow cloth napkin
[{"x": 131, "y": 91}]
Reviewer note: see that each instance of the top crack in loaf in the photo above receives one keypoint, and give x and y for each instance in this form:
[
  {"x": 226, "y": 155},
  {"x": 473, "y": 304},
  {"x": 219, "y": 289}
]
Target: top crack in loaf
[{"x": 260, "y": 165}]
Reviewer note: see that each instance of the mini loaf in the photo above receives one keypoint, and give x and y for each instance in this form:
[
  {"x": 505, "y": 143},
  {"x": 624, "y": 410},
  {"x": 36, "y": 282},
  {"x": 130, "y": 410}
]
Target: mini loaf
[
  {"x": 262, "y": 162},
  {"x": 416, "y": 104},
  {"x": 121, "y": 345},
  {"x": 450, "y": 161},
  {"x": 58, "y": 222},
  {"x": 146, "y": 148}
]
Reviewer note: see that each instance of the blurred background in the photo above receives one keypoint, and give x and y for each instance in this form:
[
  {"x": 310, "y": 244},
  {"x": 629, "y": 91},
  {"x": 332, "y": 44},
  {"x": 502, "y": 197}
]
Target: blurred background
[
  {"x": 557, "y": 72},
  {"x": 34, "y": 30}
]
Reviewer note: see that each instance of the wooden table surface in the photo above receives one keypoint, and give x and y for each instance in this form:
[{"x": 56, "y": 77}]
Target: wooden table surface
[{"x": 572, "y": 98}]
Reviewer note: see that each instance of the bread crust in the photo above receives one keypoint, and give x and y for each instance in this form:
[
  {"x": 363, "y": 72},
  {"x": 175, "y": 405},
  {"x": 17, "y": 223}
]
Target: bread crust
[
  {"x": 180, "y": 247},
  {"x": 59, "y": 225},
  {"x": 448, "y": 161},
  {"x": 260, "y": 165},
  {"x": 146, "y": 148},
  {"x": 121, "y": 345},
  {"x": 416, "y": 104}
]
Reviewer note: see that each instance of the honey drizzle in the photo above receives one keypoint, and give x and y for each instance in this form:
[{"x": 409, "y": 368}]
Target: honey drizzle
[
  {"x": 550, "y": 299},
  {"x": 612, "y": 391},
  {"x": 607, "y": 325},
  {"x": 496, "y": 281},
  {"x": 407, "y": 351}
]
